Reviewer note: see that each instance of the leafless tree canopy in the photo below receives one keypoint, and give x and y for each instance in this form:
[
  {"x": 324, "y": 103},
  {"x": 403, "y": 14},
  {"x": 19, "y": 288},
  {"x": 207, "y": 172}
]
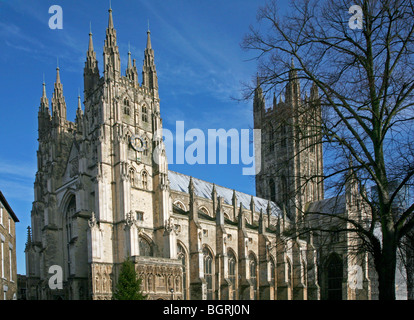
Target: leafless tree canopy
[{"x": 365, "y": 79}]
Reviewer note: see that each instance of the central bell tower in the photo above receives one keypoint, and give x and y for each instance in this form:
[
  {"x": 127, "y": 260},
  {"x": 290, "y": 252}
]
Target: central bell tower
[{"x": 291, "y": 148}]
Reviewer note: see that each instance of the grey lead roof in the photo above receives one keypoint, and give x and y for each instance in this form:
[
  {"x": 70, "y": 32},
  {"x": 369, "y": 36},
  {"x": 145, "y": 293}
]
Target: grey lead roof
[
  {"x": 180, "y": 182},
  {"x": 336, "y": 205}
]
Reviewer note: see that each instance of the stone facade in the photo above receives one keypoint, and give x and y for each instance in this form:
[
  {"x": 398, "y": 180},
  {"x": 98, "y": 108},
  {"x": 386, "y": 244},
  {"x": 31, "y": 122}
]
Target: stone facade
[
  {"x": 8, "y": 267},
  {"x": 103, "y": 193}
]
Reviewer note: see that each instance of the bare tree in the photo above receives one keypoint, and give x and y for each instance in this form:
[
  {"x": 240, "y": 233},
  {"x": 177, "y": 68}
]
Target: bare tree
[{"x": 365, "y": 79}]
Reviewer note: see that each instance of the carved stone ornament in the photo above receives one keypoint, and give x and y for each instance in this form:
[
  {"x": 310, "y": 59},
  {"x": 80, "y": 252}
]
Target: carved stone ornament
[
  {"x": 92, "y": 222},
  {"x": 130, "y": 219},
  {"x": 169, "y": 226}
]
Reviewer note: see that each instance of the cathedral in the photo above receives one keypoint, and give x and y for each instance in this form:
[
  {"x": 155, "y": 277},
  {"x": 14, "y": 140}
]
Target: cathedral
[{"x": 103, "y": 193}]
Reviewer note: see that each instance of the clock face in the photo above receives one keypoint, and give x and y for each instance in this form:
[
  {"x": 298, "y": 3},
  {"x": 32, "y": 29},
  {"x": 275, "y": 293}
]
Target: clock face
[{"x": 138, "y": 143}]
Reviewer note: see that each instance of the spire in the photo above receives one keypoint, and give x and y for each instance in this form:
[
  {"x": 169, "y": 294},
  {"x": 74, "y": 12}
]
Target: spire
[
  {"x": 79, "y": 104},
  {"x": 241, "y": 222},
  {"x": 91, "y": 71},
  {"x": 90, "y": 47},
  {"x": 44, "y": 117},
  {"x": 214, "y": 192},
  {"x": 314, "y": 92},
  {"x": 131, "y": 70},
  {"x": 79, "y": 115},
  {"x": 258, "y": 101},
  {"x": 191, "y": 186},
  {"x": 112, "y": 60},
  {"x": 44, "y": 101},
  {"x": 110, "y": 20},
  {"x": 149, "y": 72},
  {"x": 57, "y": 75},
  {"x": 29, "y": 238},
  {"x": 252, "y": 206},
  {"x": 262, "y": 226},
  {"x": 234, "y": 198},
  {"x": 58, "y": 101},
  {"x": 149, "y": 39},
  {"x": 129, "y": 66},
  {"x": 293, "y": 87}
]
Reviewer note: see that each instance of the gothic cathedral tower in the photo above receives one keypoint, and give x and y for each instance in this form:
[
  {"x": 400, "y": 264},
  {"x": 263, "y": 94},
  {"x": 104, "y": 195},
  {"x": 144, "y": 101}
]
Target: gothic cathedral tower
[
  {"x": 291, "y": 149},
  {"x": 101, "y": 191}
]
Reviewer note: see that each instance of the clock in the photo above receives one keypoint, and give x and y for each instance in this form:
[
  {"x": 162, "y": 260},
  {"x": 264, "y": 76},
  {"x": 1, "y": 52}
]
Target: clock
[{"x": 138, "y": 143}]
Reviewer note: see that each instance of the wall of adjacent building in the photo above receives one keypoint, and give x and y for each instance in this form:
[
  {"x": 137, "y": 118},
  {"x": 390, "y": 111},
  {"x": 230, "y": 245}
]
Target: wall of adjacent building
[{"x": 8, "y": 273}]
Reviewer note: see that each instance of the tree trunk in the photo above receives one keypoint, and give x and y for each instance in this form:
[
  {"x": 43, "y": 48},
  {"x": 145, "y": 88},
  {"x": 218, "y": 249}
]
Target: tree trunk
[
  {"x": 409, "y": 263},
  {"x": 386, "y": 272}
]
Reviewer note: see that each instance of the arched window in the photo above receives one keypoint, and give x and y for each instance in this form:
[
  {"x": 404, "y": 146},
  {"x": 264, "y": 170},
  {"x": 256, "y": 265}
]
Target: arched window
[
  {"x": 204, "y": 210},
  {"x": 182, "y": 255},
  {"x": 70, "y": 211},
  {"x": 208, "y": 272},
  {"x": 253, "y": 273},
  {"x": 284, "y": 190},
  {"x": 305, "y": 273},
  {"x": 283, "y": 133},
  {"x": 232, "y": 271},
  {"x": 272, "y": 190},
  {"x": 144, "y": 248},
  {"x": 132, "y": 177},
  {"x": 144, "y": 180},
  {"x": 180, "y": 205},
  {"x": 289, "y": 273},
  {"x": 272, "y": 272},
  {"x": 271, "y": 139},
  {"x": 144, "y": 113},
  {"x": 334, "y": 277},
  {"x": 150, "y": 283},
  {"x": 146, "y": 147},
  {"x": 127, "y": 109}
]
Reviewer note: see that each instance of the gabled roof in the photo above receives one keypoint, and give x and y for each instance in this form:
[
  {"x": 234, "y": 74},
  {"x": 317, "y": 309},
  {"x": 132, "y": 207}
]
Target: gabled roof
[
  {"x": 179, "y": 182},
  {"x": 335, "y": 205},
  {"x": 8, "y": 208}
]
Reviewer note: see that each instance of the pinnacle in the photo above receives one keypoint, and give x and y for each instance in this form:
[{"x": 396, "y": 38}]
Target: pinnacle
[
  {"x": 149, "y": 39},
  {"x": 44, "y": 90},
  {"x": 90, "y": 48},
  {"x": 110, "y": 21},
  {"x": 129, "y": 60},
  {"x": 57, "y": 75}
]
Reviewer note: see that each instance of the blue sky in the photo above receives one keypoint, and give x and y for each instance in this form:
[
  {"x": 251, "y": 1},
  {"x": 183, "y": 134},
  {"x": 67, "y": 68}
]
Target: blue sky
[{"x": 199, "y": 61}]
